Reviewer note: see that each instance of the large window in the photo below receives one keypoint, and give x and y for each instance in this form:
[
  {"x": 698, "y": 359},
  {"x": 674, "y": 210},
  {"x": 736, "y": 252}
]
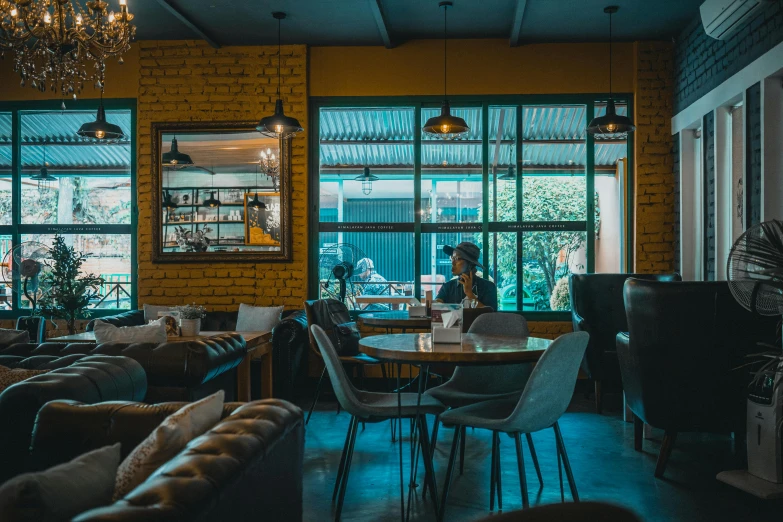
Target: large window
[
  {"x": 87, "y": 195},
  {"x": 527, "y": 184}
]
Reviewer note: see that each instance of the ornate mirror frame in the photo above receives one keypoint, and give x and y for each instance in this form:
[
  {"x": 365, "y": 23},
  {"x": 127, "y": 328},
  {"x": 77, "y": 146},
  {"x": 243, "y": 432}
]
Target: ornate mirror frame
[{"x": 283, "y": 255}]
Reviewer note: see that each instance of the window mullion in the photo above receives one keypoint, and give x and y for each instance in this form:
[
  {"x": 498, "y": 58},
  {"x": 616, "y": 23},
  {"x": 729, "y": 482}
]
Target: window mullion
[
  {"x": 590, "y": 188},
  {"x": 485, "y": 184},
  {"x": 520, "y": 201},
  {"x": 16, "y": 193},
  {"x": 417, "y": 200}
]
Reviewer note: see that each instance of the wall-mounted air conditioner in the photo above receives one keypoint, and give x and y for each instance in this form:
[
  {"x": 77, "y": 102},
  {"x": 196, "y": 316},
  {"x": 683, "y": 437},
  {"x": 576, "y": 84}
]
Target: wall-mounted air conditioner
[{"x": 721, "y": 17}]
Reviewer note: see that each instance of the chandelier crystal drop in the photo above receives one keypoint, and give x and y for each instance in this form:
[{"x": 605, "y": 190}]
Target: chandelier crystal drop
[
  {"x": 54, "y": 41},
  {"x": 270, "y": 164}
]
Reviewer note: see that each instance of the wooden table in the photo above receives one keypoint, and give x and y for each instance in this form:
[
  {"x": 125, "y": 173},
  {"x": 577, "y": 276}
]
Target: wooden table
[
  {"x": 259, "y": 346},
  {"x": 395, "y": 319},
  {"x": 384, "y": 299}
]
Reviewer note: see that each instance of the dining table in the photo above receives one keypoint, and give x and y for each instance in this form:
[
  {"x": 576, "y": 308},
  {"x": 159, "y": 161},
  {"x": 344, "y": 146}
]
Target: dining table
[
  {"x": 418, "y": 349},
  {"x": 395, "y": 319}
]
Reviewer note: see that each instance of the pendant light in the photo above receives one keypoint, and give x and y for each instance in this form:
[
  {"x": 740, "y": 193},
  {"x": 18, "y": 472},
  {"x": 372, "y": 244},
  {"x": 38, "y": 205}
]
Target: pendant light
[
  {"x": 255, "y": 203},
  {"x": 611, "y": 125},
  {"x": 212, "y": 201},
  {"x": 43, "y": 178},
  {"x": 168, "y": 202},
  {"x": 510, "y": 175},
  {"x": 445, "y": 126},
  {"x": 366, "y": 178},
  {"x": 100, "y": 129},
  {"x": 175, "y": 158},
  {"x": 279, "y": 125}
]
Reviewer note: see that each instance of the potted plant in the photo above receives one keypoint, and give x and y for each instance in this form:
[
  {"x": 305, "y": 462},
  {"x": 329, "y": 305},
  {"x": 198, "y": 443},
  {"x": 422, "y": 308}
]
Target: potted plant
[
  {"x": 190, "y": 319},
  {"x": 69, "y": 291}
]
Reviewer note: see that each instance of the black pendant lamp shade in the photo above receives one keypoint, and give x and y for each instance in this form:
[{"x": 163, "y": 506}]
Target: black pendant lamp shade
[
  {"x": 44, "y": 179},
  {"x": 445, "y": 126},
  {"x": 510, "y": 175},
  {"x": 212, "y": 201},
  {"x": 366, "y": 180},
  {"x": 100, "y": 129},
  {"x": 279, "y": 125},
  {"x": 611, "y": 126},
  {"x": 256, "y": 204},
  {"x": 175, "y": 158}
]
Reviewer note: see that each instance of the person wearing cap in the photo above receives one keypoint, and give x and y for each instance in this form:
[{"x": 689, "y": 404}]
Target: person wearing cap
[
  {"x": 375, "y": 283},
  {"x": 464, "y": 261}
]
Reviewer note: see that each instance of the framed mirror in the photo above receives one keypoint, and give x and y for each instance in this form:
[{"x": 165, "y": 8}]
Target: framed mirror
[{"x": 220, "y": 192}]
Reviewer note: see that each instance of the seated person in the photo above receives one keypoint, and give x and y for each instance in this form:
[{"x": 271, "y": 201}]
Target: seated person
[
  {"x": 376, "y": 284},
  {"x": 464, "y": 260}
]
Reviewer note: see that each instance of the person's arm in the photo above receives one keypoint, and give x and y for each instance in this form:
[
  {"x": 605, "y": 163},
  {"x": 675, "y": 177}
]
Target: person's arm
[{"x": 441, "y": 297}]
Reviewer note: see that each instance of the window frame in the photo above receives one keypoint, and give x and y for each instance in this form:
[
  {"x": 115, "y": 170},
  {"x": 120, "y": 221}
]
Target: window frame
[
  {"x": 589, "y": 100},
  {"x": 17, "y": 229}
]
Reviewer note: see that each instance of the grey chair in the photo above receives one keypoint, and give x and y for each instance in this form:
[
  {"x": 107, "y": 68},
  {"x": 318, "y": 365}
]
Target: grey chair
[
  {"x": 544, "y": 400},
  {"x": 472, "y": 384},
  {"x": 372, "y": 407}
]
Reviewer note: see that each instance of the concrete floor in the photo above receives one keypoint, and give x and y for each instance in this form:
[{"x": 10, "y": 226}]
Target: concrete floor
[{"x": 600, "y": 447}]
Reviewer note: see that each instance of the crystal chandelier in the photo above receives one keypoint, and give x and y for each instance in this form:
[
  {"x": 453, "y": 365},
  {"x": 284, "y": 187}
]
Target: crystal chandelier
[
  {"x": 54, "y": 39},
  {"x": 271, "y": 166}
]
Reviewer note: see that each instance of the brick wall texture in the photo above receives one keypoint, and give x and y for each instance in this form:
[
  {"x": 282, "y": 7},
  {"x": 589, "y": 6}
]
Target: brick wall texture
[
  {"x": 654, "y": 188},
  {"x": 753, "y": 155},
  {"x": 191, "y": 81},
  {"x": 702, "y": 63},
  {"x": 708, "y": 132}
]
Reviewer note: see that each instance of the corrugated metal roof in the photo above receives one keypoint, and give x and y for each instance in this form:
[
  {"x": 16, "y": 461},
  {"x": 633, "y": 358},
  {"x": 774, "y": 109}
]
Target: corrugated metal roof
[{"x": 61, "y": 126}]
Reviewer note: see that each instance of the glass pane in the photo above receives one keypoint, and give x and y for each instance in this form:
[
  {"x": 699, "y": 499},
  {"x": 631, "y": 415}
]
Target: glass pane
[
  {"x": 435, "y": 264},
  {"x": 81, "y": 200},
  {"x": 110, "y": 258},
  {"x": 353, "y": 140},
  {"x": 547, "y": 259},
  {"x": 451, "y": 172},
  {"x": 503, "y": 269},
  {"x": 5, "y": 169},
  {"x": 502, "y": 163},
  {"x": 384, "y": 272},
  {"x": 5, "y": 289},
  {"x": 737, "y": 172}
]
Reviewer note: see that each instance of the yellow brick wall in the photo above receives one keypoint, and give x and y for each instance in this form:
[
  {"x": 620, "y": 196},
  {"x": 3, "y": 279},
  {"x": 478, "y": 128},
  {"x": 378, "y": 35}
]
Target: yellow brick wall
[
  {"x": 654, "y": 189},
  {"x": 191, "y": 81}
]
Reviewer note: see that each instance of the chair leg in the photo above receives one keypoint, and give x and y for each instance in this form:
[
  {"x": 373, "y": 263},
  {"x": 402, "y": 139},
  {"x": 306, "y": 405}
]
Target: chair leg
[
  {"x": 638, "y": 433},
  {"x": 426, "y": 453},
  {"x": 462, "y": 451},
  {"x": 388, "y": 390},
  {"x": 666, "y": 450},
  {"x": 348, "y": 460},
  {"x": 341, "y": 468},
  {"x": 566, "y": 463},
  {"x": 492, "y": 475},
  {"x": 535, "y": 458},
  {"x": 599, "y": 397},
  {"x": 450, "y": 470},
  {"x": 315, "y": 397},
  {"x": 433, "y": 441},
  {"x": 498, "y": 474},
  {"x": 521, "y": 466}
]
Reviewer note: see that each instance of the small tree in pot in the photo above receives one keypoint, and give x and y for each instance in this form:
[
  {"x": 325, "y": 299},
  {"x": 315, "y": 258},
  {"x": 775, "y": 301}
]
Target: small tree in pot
[{"x": 68, "y": 290}]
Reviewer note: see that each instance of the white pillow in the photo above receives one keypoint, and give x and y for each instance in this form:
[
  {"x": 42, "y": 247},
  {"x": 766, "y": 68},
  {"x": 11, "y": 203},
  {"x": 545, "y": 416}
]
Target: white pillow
[
  {"x": 151, "y": 311},
  {"x": 167, "y": 440},
  {"x": 13, "y": 336},
  {"x": 258, "y": 318},
  {"x": 155, "y": 332}
]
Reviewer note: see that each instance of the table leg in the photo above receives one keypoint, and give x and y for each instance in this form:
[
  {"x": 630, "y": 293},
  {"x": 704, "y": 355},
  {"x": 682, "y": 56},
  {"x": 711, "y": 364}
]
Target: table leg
[
  {"x": 399, "y": 433},
  {"x": 243, "y": 379},
  {"x": 266, "y": 376}
]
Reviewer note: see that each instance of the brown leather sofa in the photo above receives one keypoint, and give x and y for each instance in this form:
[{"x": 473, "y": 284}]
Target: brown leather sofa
[
  {"x": 681, "y": 356},
  {"x": 87, "y": 379},
  {"x": 247, "y": 467}
]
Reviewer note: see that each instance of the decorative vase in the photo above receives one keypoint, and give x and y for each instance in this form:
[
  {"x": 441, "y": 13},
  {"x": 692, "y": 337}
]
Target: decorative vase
[{"x": 190, "y": 327}]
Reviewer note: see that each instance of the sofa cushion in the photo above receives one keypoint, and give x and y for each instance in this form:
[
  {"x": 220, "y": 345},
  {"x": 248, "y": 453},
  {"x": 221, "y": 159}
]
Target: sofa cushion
[
  {"x": 258, "y": 318},
  {"x": 9, "y": 337},
  {"x": 167, "y": 440},
  {"x": 155, "y": 332},
  {"x": 10, "y": 376},
  {"x": 63, "y": 491}
]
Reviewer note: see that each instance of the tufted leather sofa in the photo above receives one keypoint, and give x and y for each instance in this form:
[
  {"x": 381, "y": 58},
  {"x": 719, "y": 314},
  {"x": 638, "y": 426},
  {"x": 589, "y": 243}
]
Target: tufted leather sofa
[
  {"x": 680, "y": 356},
  {"x": 176, "y": 370},
  {"x": 88, "y": 379},
  {"x": 289, "y": 345},
  {"x": 247, "y": 467},
  {"x": 597, "y": 308}
]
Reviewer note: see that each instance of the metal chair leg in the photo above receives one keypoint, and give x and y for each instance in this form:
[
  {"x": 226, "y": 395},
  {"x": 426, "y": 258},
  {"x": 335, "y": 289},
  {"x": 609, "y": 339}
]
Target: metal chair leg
[
  {"x": 315, "y": 397},
  {"x": 341, "y": 468},
  {"x": 429, "y": 470},
  {"x": 535, "y": 458},
  {"x": 521, "y": 466},
  {"x": 450, "y": 470},
  {"x": 566, "y": 463},
  {"x": 348, "y": 460},
  {"x": 492, "y": 475},
  {"x": 388, "y": 390},
  {"x": 498, "y": 474},
  {"x": 462, "y": 451}
]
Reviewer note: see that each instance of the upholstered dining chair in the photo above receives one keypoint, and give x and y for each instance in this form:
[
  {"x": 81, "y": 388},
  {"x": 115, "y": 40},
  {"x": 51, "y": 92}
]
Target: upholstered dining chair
[
  {"x": 373, "y": 407},
  {"x": 544, "y": 400},
  {"x": 472, "y": 384}
]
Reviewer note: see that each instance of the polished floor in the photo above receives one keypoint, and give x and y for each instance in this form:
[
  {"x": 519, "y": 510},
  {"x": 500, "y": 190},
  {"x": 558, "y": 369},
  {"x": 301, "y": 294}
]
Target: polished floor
[{"x": 600, "y": 447}]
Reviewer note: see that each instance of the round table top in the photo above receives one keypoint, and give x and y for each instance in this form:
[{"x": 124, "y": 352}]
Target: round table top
[
  {"x": 474, "y": 349},
  {"x": 395, "y": 319}
]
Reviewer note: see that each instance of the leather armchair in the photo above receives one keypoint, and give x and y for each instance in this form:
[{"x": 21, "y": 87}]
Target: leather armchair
[
  {"x": 597, "y": 308},
  {"x": 680, "y": 356},
  {"x": 86, "y": 379},
  {"x": 247, "y": 467}
]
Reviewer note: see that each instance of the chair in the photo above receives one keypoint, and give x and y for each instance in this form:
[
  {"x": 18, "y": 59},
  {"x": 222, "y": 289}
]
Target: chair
[
  {"x": 597, "y": 308},
  {"x": 680, "y": 356},
  {"x": 469, "y": 315},
  {"x": 314, "y": 318},
  {"x": 544, "y": 400},
  {"x": 472, "y": 384},
  {"x": 371, "y": 407},
  {"x": 581, "y": 512},
  {"x": 35, "y": 325}
]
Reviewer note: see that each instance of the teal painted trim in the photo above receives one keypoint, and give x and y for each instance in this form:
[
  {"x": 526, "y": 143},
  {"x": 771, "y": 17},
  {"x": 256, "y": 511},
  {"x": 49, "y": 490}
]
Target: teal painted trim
[
  {"x": 485, "y": 183},
  {"x": 417, "y": 255},
  {"x": 631, "y": 184},
  {"x": 564, "y": 317},
  {"x": 89, "y": 104},
  {"x": 16, "y": 193},
  {"x": 135, "y": 210},
  {"x": 476, "y": 100},
  {"x": 314, "y": 202},
  {"x": 520, "y": 187},
  {"x": 590, "y": 189}
]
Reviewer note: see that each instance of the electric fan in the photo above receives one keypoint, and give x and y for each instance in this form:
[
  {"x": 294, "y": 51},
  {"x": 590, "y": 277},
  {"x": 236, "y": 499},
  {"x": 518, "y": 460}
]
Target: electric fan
[
  {"x": 23, "y": 267},
  {"x": 755, "y": 273},
  {"x": 336, "y": 272}
]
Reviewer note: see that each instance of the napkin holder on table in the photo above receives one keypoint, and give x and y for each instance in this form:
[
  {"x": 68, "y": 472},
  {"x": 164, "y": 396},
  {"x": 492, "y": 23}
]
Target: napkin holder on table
[
  {"x": 446, "y": 323},
  {"x": 416, "y": 309}
]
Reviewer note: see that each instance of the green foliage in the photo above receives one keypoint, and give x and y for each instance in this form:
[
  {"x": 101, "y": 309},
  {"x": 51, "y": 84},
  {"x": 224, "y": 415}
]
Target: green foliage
[
  {"x": 560, "y": 298},
  {"x": 68, "y": 290}
]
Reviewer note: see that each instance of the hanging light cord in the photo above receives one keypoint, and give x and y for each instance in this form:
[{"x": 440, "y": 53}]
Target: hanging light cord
[
  {"x": 279, "y": 22},
  {"x": 610, "y": 55},
  {"x": 445, "y": 54}
]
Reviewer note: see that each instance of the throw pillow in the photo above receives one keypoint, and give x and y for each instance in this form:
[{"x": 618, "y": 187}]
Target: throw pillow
[
  {"x": 155, "y": 332},
  {"x": 151, "y": 311},
  {"x": 9, "y": 337},
  {"x": 10, "y": 376},
  {"x": 167, "y": 440},
  {"x": 258, "y": 318},
  {"x": 64, "y": 491}
]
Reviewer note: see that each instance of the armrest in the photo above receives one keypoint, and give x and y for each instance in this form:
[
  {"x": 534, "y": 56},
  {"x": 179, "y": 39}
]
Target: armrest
[
  {"x": 623, "y": 341},
  {"x": 580, "y": 325},
  {"x": 131, "y": 318}
]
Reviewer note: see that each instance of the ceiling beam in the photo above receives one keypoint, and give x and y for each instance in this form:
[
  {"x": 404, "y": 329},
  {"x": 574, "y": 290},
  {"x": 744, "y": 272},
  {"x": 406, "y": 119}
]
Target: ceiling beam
[
  {"x": 380, "y": 21},
  {"x": 179, "y": 15},
  {"x": 516, "y": 26}
]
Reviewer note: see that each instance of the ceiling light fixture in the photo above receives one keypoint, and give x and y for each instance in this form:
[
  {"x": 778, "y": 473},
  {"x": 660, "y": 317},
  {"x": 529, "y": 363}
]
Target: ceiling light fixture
[
  {"x": 44, "y": 179},
  {"x": 610, "y": 125},
  {"x": 53, "y": 39},
  {"x": 168, "y": 201},
  {"x": 174, "y": 158},
  {"x": 100, "y": 129},
  {"x": 366, "y": 178},
  {"x": 212, "y": 201},
  {"x": 510, "y": 175},
  {"x": 271, "y": 165},
  {"x": 445, "y": 126},
  {"x": 255, "y": 204},
  {"x": 279, "y": 125}
]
